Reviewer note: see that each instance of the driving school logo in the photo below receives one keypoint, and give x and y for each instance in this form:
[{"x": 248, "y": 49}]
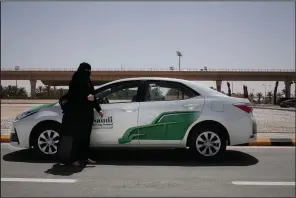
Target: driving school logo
[{"x": 103, "y": 123}]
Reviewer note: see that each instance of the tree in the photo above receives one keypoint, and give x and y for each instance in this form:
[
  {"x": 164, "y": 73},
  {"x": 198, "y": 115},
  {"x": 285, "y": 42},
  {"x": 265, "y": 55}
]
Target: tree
[
  {"x": 156, "y": 94},
  {"x": 269, "y": 96},
  {"x": 275, "y": 92},
  {"x": 39, "y": 89},
  {"x": 279, "y": 95},
  {"x": 284, "y": 92},
  {"x": 259, "y": 96},
  {"x": 229, "y": 90},
  {"x": 245, "y": 88},
  {"x": 251, "y": 95},
  {"x": 22, "y": 92},
  {"x": 13, "y": 92}
]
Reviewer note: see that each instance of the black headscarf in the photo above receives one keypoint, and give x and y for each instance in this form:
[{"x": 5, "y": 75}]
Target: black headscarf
[
  {"x": 79, "y": 87},
  {"x": 83, "y": 72}
]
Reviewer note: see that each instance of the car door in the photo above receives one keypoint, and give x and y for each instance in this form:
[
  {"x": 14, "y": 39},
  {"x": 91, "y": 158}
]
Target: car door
[
  {"x": 120, "y": 114},
  {"x": 167, "y": 112}
]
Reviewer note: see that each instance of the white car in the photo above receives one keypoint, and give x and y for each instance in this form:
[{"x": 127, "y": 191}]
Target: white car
[{"x": 149, "y": 112}]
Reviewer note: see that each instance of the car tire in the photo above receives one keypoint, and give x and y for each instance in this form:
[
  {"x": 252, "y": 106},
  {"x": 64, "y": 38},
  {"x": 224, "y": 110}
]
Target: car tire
[
  {"x": 46, "y": 139},
  {"x": 205, "y": 146}
]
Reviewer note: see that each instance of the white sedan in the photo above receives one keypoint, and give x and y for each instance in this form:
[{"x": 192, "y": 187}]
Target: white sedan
[{"x": 149, "y": 112}]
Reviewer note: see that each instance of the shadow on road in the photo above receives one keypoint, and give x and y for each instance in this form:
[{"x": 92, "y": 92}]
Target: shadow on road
[
  {"x": 173, "y": 157},
  {"x": 62, "y": 170}
]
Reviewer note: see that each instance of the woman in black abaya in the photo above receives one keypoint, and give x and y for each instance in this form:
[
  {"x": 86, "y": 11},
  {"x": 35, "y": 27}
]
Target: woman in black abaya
[{"x": 78, "y": 113}]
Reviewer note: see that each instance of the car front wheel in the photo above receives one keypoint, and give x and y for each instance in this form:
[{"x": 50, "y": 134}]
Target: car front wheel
[
  {"x": 208, "y": 142},
  {"x": 46, "y": 140}
]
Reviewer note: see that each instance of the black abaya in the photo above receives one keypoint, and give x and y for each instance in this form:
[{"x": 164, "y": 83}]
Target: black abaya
[{"x": 78, "y": 114}]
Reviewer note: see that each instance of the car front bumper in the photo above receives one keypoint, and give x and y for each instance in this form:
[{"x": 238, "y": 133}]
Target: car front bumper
[{"x": 14, "y": 139}]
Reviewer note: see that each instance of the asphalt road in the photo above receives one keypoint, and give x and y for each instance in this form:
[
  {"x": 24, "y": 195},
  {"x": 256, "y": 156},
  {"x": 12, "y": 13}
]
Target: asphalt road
[{"x": 153, "y": 173}]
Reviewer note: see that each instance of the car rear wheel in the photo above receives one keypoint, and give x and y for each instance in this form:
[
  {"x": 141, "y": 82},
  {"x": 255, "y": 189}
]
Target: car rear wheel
[
  {"x": 46, "y": 140},
  {"x": 208, "y": 142}
]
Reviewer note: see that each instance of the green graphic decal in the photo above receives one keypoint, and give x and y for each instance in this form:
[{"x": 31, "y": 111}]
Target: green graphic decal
[
  {"x": 167, "y": 126},
  {"x": 43, "y": 106}
]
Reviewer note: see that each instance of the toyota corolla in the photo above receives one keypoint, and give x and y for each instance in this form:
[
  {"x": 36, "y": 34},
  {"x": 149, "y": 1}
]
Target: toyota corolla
[{"x": 148, "y": 112}]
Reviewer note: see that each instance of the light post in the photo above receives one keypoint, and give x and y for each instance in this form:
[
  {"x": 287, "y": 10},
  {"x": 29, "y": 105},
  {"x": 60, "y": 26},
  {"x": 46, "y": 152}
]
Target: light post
[
  {"x": 16, "y": 68},
  {"x": 232, "y": 87},
  {"x": 264, "y": 90},
  {"x": 179, "y": 54}
]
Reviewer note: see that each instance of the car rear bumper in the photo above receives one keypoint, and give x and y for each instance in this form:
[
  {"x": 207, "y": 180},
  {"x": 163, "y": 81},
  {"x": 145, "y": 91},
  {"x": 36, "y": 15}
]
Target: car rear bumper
[{"x": 243, "y": 131}]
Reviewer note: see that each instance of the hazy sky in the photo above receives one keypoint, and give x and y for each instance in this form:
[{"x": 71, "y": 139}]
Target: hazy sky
[{"x": 147, "y": 35}]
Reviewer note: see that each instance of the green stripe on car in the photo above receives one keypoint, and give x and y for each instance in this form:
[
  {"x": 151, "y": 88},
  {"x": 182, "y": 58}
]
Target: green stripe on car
[{"x": 167, "y": 126}]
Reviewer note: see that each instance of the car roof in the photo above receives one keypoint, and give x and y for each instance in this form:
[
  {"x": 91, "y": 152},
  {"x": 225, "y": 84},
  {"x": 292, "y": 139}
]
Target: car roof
[
  {"x": 202, "y": 89},
  {"x": 153, "y": 78},
  {"x": 147, "y": 78}
]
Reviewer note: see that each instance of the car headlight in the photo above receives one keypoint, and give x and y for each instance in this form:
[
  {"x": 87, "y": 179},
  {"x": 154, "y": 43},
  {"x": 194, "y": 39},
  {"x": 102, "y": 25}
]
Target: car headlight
[{"x": 25, "y": 114}]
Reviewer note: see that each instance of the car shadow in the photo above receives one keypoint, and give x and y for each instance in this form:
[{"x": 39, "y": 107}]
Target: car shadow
[{"x": 129, "y": 157}]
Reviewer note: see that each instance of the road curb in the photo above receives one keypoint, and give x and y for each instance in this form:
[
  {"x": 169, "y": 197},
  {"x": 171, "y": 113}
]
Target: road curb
[
  {"x": 5, "y": 138},
  {"x": 272, "y": 142}
]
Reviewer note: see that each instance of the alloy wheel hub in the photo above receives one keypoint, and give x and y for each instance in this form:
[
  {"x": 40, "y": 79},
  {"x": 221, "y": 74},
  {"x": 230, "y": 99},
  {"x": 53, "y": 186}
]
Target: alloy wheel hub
[
  {"x": 208, "y": 143},
  {"x": 47, "y": 142}
]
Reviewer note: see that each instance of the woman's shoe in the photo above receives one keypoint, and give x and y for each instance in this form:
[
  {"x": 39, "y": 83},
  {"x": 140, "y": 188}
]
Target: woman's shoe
[
  {"x": 90, "y": 161},
  {"x": 76, "y": 164}
]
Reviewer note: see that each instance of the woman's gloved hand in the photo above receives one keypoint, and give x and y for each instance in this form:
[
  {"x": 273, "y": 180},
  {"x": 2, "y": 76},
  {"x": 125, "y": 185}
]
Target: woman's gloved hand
[{"x": 91, "y": 97}]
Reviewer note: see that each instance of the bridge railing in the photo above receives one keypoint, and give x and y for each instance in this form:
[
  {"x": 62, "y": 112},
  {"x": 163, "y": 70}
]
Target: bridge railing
[{"x": 154, "y": 69}]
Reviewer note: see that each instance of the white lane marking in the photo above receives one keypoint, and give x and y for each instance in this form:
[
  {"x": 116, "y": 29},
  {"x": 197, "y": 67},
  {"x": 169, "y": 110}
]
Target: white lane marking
[
  {"x": 262, "y": 183},
  {"x": 261, "y": 147},
  {"x": 38, "y": 180}
]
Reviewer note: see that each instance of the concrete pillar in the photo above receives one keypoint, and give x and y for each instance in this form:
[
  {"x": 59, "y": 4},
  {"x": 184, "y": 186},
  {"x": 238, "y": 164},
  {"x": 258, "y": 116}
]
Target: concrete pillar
[
  {"x": 218, "y": 85},
  {"x": 288, "y": 88},
  {"x": 33, "y": 88},
  {"x": 48, "y": 90}
]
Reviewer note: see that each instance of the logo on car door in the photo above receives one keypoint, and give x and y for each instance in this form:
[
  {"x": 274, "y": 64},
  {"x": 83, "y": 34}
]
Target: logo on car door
[{"x": 103, "y": 123}]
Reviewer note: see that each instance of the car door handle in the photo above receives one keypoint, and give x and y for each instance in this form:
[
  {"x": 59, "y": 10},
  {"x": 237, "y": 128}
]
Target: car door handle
[
  {"x": 128, "y": 110},
  {"x": 190, "y": 106}
]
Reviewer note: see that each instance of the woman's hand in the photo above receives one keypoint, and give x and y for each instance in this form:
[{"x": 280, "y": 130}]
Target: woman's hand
[
  {"x": 101, "y": 113},
  {"x": 91, "y": 97}
]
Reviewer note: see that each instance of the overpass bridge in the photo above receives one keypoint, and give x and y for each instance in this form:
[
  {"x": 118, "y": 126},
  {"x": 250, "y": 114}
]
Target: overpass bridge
[{"x": 61, "y": 77}]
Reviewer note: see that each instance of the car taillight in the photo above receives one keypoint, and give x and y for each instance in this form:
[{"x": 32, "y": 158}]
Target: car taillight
[{"x": 244, "y": 108}]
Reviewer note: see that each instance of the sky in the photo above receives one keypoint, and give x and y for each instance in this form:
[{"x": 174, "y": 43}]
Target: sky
[{"x": 257, "y": 35}]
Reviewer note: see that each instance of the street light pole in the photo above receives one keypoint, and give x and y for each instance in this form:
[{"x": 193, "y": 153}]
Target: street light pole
[
  {"x": 179, "y": 54},
  {"x": 16, "y": 68},
  {"x": 179, "y": 63},
  {"x": 264, "y": 90}
]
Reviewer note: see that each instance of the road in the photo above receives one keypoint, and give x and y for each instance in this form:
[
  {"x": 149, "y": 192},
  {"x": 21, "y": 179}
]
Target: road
[{"x": 153, "y": 173}]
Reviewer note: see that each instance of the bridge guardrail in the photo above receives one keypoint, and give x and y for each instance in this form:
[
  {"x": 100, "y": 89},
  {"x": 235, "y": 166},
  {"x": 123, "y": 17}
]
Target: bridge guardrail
[{"x": 152, "y": 69}]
